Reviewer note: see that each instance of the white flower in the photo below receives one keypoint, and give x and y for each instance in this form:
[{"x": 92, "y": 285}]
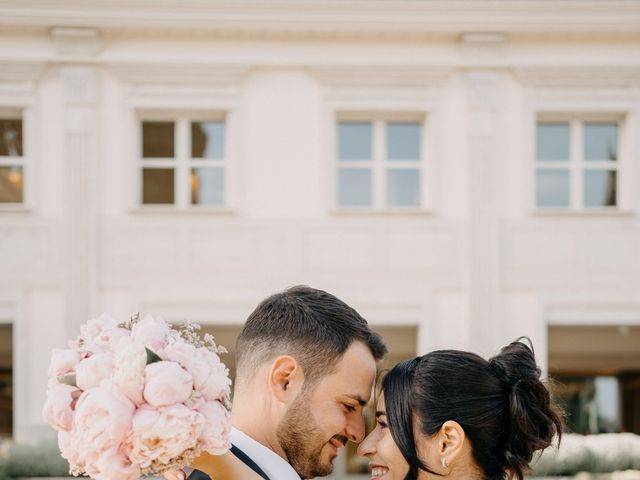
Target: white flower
[
  {"x": 129, "y": 363},
  {"x": 93, "y": 370},
  {"x": 151, "y": 332}
]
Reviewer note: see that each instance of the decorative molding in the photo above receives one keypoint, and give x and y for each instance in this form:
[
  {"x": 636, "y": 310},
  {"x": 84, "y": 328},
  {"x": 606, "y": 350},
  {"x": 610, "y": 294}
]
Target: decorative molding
[
  {"x": 329, "y": 16},
  {"x": 578, "y": 76},
  {"x": 21, "y": 71},
  {"x": 77, "y": 41},
  {"x": 178, "y": 73},
  {"x": 381, "y": 76}
]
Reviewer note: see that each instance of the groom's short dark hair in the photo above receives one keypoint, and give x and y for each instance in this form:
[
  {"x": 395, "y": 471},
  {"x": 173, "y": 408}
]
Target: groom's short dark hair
[{"x": 313, "y": 326}]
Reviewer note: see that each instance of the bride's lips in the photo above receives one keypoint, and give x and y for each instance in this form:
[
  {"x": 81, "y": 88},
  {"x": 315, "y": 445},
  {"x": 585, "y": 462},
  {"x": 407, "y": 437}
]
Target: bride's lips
[{"x": 377, "y": 471}]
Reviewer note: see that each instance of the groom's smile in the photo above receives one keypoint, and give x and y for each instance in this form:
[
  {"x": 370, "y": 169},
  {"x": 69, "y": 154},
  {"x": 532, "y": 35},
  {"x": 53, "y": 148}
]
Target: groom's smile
[{"x": 329, "y": 414}]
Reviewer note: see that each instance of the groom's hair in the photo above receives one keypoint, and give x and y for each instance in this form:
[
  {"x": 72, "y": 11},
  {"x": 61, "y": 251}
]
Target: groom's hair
[{"x": 311, "y": 325}]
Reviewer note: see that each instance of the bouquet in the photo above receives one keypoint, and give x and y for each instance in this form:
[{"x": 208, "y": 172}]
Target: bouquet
[{"x": 137, "y": 398}]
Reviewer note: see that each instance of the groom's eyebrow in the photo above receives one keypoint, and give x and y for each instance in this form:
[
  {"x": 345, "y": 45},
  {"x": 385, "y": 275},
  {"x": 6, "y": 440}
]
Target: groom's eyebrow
[{"x": 358, "y": 399}]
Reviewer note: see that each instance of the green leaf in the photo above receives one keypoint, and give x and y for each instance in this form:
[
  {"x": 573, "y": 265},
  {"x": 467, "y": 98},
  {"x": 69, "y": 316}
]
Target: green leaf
[
  {"x": 69, "y": 379},
  {"x": 152, "y": 357}
]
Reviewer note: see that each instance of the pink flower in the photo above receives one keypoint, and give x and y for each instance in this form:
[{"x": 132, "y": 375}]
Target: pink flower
[
  {"x": 167, "y": 383},
  {"x": 63, "y": 361},
  {"x": 93, "y": 370},
  {"x": 69, "y": 450},
  {"x": 163, "y": 434},
  {"x": 113, "y": 464},
  {"x": 212, "y": 378},
  {"x": 217, "y": 428},
  {"x": 102, "y": 420},
  {"x": 151, "y": 332},
  {"x": 57, "y": 410},
  {"x": 100, "y": 334},
  {"x": 129, "y": 363}
]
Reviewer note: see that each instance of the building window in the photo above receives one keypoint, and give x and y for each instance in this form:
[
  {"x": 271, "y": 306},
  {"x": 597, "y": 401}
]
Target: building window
[
  {"x": 183, "y": 162},
  {"x": 379, "y": 164},
  {"x": 11, "y": 161},
  {"x": 577, "y": 164}
]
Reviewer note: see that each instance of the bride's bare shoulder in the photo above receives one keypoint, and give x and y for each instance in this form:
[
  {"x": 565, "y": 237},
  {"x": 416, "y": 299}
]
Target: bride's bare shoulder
[{"x": 224, "y": 467}]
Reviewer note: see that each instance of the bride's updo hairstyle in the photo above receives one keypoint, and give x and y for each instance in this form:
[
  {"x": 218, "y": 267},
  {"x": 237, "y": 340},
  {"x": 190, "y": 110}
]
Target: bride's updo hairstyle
[{"x": 504, "y": 409}]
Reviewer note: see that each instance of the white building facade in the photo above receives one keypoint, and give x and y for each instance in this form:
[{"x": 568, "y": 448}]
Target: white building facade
[{"x": 461, "y": 172}]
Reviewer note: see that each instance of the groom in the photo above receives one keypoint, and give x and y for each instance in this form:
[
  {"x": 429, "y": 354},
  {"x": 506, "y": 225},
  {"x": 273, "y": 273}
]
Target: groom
[{"x": 306, "y": 364}]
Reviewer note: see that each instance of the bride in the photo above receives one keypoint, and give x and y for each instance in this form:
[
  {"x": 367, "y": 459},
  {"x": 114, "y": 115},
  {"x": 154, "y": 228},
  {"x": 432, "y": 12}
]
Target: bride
[{"x": 448, "y": 414}]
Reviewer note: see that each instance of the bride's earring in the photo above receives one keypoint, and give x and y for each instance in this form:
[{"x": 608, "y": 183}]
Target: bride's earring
[{"x": 444, "y": 463}]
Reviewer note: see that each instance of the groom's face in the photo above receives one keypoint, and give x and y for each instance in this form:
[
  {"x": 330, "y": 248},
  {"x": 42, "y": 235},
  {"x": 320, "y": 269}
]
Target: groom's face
[{"x": 324, "y": 417}]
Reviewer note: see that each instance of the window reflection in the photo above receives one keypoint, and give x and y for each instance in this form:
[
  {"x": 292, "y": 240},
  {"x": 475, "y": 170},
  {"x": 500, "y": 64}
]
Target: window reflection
[
  {"x": 158, "y": 139},
  {"x": 207, "y": 186},
  {"x": 10, "y": 138},
  {"x": 157, "y": 186},
  {"x": 207, "y": 140},
  {"x": 11, "y": 184}
]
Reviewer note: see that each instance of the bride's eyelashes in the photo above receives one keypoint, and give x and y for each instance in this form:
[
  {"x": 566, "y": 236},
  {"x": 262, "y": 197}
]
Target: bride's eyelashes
[{"x": 381, "y": 424}]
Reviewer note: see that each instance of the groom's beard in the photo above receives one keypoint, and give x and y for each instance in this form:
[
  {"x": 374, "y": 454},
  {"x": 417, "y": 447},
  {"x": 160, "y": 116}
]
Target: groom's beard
[{"x": 303, "y": 441}]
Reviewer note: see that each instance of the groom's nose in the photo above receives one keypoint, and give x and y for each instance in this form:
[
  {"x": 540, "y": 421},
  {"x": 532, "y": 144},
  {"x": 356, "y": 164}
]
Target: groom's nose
[{"x": 355, "y": 429}]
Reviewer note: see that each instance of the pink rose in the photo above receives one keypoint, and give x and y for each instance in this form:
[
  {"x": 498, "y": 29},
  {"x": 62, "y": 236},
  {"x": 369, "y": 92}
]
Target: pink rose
[
  {"x": 57, "y": 410},
  {"x": 167, "y": 383},
  {"x": 102, "y": 420},
  {"x": 93, "y": 370},
  {"x": 163, "y": 434},
  {"x": 151, "y": 332},
  {"x": 217, "y": 428},
  {"x": 113, "y": 464},
  {"x": 63, "y": 361},
  {"x": 129, "y": 363}
]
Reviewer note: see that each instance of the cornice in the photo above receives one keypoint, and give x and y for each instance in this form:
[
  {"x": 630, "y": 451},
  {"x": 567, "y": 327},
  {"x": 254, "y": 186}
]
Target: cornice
[
  {"x": 578, "y": 76},
  {"x": 20, "y": 71},
  {"x": 140, "y": 73},
  {"x": 373, "y": 76},
  {"x": 354, "y": 17}
]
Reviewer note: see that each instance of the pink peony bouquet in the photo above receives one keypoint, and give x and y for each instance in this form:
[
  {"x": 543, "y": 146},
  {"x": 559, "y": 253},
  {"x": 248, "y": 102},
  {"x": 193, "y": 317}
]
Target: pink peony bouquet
[{"x": 137, "y": 398}]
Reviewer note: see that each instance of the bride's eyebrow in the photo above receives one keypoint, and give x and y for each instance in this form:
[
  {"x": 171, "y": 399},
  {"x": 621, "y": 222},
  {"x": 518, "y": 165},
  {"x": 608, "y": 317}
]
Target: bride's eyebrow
[{"x": 381, "y": 413}]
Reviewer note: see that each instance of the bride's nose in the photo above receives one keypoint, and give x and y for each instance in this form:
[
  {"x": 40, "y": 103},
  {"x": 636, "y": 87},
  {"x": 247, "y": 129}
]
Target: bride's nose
[{"x": 367, "y": 446}]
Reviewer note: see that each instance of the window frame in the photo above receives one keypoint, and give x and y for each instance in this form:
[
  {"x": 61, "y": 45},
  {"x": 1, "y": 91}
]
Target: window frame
[
  {"x": 24, "y": 114},
  {"x": 577, "y": 165},
  {"x": 182, "y": 162},
  {"x": 379, "y": 163}
]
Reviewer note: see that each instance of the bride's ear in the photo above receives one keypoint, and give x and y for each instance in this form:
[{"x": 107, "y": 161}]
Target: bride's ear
[
  {"x": 285, "y": 379},
  {"x": 450, "y": 442}
]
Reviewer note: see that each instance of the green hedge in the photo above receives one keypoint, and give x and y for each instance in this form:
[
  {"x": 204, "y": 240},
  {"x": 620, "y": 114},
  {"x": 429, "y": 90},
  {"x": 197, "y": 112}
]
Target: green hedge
[
  {"x": 41, "y": 460},
  {"x": 603, "y": 453}
]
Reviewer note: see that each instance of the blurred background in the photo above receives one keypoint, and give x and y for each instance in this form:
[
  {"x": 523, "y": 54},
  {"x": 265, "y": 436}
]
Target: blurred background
[{"x": 462, "y": 172}]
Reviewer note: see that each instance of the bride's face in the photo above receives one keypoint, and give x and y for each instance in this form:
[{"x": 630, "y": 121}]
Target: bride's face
[{"x": 385, "y": 460}]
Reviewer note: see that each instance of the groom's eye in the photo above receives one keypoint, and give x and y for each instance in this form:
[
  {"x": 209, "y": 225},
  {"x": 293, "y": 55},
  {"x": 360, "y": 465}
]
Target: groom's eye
[{"x": 350, "y": 408}]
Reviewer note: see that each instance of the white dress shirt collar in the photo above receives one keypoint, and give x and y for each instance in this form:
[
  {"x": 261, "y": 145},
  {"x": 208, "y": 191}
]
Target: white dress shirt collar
[{"x": 276, "y": 467}]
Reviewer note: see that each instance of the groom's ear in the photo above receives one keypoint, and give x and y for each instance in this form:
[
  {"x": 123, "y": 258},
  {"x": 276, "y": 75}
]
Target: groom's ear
[{"x": 285, "y": 378}]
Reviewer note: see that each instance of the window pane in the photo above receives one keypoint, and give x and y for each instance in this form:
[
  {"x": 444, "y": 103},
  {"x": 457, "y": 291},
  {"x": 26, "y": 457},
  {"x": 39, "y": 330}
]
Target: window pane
[
  {"x": 158, "y": 140},
  {"x": 403, "y": 188},
  {"x": 207, "y": 186},
  {"x": 157, "y": 186},
  {"x": 354, "y": 187},
  {"x": 552, "y": 188},
  {"x": 207, "y": 140},
  {"x": 600, "y": 141},
  {"x": 10, "y": 138},
  {"x": 11, "y": 184},
  {"x": 552, "y": 141},
  {"x": 600, "y": 188},
  {"x": 354, "y": 141},
  {"x": 403, "y": 141}
]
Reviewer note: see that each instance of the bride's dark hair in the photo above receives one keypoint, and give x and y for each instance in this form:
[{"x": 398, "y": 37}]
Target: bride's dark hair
[{"x": 505, "y": 410}]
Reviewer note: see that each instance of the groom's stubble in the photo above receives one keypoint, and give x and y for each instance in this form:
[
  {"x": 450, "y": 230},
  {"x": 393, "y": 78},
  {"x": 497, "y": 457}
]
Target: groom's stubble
[{"x": 302, "y": 440}]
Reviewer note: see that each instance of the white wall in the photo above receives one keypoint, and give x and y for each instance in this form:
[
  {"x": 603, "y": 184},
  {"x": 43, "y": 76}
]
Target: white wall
[{"x": 475, "y": 269}]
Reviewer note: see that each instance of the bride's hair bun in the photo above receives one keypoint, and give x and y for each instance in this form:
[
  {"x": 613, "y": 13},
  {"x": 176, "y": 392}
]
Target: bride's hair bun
[
  {"x": 532, "y": 419},
  {"x": 502, "y": 405}
]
